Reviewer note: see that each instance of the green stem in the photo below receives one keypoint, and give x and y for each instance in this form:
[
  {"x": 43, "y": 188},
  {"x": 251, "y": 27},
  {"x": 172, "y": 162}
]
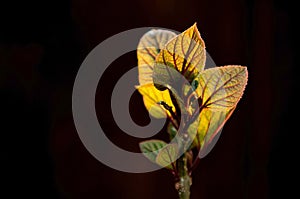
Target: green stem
[{"x": 184, "y": 180}]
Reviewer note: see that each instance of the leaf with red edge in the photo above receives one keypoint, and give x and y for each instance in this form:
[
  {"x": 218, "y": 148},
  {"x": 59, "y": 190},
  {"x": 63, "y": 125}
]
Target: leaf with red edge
[
  {"x": 185, "y": 53},
  {"x": 222, "y": 87}
]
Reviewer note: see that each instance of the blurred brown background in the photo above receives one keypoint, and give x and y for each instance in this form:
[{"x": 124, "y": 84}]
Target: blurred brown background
[{"x": 43, "y": 43}]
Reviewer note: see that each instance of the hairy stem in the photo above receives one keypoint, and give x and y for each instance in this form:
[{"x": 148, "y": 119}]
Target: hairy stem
[{"x": 184, "y": 180}]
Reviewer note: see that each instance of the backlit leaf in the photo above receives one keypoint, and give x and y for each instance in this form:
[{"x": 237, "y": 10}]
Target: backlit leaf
[
  {"x": 151, "y": 148},
  {"x": 209, "y": 125},
  {"x": 222, "y": 87},
  {"x": 185, "y": 53},
  {"x": 166, "y": 77},
  {"x": 167, "y": 156},
  {"x": 148, "y": 48},
  {"x": 152, "y": 96},
  {"x": 169, "y": 78},
  {"x": 213, "y": 123}
]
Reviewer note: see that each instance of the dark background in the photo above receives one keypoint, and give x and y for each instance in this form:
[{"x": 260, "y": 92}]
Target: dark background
[{"x": 43, "y": 43}]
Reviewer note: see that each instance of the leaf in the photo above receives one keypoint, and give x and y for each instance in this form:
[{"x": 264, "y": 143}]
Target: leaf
[
  {"x": 152, "y": 96},
  {"x": 167, "y": 78},
  {"x": 185, "y": 53},
  {"x": 209, "y": 125},
  {"x": 167, "y": 156},
  {"x": 217, "y": 121},
  {"x": 222, "y": 87},
  {"x": 219, "y": 89},
  {"x": 160, "y": 152},
  {"x": 151, "y": 148},
  {"x": 171, "y": 130},
  {"x": 179, "y": 63},
  {"x": 192, "y": 132},
  {"x": 148, "y": 48}
]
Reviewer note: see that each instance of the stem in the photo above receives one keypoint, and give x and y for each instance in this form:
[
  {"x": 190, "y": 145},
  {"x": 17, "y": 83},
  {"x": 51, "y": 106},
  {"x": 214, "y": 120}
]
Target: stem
[
  {"x": 194, "y": 165},
  {"x": 184, "y": 181}
]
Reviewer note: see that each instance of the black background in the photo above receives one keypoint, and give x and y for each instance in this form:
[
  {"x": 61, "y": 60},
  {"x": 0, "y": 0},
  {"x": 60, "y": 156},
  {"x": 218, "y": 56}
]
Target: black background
[{"x": 43, "y": 43}]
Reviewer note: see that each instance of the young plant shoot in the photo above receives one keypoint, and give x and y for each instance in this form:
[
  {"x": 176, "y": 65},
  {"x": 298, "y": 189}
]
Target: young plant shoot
[{"x": 196, "y": 101}]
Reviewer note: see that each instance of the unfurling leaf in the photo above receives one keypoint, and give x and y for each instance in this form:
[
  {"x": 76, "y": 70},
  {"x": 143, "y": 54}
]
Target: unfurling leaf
[
  {"x": 185, "y": 53},
  {"x": 221, "y": 87},
  {"x": 167, "y": 156},
  {"x": 151, "y": 148}
]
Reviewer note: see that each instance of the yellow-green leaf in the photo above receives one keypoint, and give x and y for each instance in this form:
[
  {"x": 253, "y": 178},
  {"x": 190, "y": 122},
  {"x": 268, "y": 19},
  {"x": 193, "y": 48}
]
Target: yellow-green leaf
[
  {"x": 167, "y": 156},
  {"x": 167, "y": 77},
  {"x": 185, "y": 53},
  {"x": 152, "y": 96},
  {"x": 150, "y": 148},
  {"x": 210, "y": 124},
  {"x": 222, "y": 87},
  {"x": 148, "y": 48}
]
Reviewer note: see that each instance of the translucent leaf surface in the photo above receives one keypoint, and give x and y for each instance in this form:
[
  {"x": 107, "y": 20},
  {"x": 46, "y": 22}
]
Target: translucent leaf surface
[
  {"x": 208, "y": 126},
  {"x": 151, "y": 148},
  {"x": 148, "y": 48},
  {"x": 152, "y": 96},
  {"x": 185, "y": 53},
  {"x": 167, "y": 156},
  {"x": 222, "y": 87}
]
